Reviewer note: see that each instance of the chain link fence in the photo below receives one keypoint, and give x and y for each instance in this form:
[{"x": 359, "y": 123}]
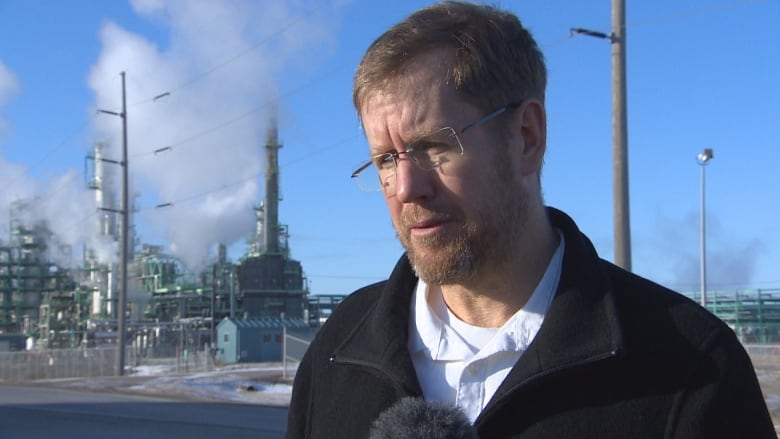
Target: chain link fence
[
  {"x": 294, "y": 345},
  {"x": 101, "y": 362},
  {"x": 93, "y": 362},
  {"x": 764, "y": 356}
]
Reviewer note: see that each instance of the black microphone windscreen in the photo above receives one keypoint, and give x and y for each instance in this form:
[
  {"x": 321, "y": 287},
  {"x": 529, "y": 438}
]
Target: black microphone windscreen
[{"x": 416, "y": 418}]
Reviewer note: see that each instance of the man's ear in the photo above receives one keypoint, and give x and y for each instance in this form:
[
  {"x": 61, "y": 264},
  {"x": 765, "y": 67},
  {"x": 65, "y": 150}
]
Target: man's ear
[{"x": 531, "y": 117}]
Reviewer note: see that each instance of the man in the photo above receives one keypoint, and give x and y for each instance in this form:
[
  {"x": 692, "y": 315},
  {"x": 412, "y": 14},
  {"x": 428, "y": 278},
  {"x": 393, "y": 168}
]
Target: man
[{"x": 500, "y": 306}]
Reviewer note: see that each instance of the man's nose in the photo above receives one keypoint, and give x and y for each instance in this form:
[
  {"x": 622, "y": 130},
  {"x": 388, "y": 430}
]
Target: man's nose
[{"x": 411, "y": 182}]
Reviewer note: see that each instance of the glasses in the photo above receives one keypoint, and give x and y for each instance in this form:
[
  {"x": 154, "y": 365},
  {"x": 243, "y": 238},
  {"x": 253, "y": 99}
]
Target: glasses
[{"x": 435, "y": 150}]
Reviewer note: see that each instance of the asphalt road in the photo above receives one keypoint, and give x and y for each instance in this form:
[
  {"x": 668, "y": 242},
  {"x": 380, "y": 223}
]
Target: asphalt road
[{"x": 32, "y": 412}]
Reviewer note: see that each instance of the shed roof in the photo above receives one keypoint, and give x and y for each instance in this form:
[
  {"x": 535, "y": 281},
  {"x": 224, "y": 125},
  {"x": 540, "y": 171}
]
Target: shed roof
[{"x": 265, "y": 322}]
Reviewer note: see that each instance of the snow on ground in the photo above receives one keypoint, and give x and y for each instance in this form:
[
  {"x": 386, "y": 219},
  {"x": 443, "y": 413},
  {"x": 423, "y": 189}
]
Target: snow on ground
[
  {"x": 249, "y": 385},
  {"x": 262, "y": 384}
]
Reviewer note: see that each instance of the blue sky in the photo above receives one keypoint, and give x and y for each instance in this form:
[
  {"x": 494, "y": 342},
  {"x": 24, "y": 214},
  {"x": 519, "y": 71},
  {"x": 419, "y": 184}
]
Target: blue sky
[{"x": 701, "y": 74}]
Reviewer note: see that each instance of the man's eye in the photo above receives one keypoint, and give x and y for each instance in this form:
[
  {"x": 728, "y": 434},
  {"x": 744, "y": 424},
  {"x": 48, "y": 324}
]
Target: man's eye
[
  {"x": 384, "y": 161},
  {"x": 431, "y": 149}
]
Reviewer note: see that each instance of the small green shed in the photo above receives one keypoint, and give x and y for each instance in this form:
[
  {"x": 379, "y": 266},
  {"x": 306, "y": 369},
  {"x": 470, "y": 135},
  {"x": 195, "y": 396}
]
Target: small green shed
[{"x": 253, "y": 340}]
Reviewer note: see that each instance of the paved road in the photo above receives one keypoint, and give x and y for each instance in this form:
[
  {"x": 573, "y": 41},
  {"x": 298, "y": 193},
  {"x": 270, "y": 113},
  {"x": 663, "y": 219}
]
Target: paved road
[{"x": 32, "y": 412}]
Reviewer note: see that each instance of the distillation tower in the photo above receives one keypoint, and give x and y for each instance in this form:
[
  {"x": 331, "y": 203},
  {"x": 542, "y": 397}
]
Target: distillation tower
[
  {"x": 271, "y": 283},
  {"x": 100, "y": 255}
]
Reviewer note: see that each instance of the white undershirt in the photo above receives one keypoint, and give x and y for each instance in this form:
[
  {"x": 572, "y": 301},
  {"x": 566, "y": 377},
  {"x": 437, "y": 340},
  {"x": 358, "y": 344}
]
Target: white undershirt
[{"x": 462, "y": 364}]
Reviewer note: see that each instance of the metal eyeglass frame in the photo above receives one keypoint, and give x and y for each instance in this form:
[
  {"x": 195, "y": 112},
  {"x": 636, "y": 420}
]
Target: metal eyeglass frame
[{"x": 410, "y": 150}]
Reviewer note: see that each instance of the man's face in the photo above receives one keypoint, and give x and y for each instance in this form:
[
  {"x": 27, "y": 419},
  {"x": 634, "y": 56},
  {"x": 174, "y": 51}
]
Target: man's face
[{"x": 457, "y": 221}]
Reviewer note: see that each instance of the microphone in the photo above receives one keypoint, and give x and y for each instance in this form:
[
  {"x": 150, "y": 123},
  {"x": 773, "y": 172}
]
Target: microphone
[{"x": 412, "y": 418}]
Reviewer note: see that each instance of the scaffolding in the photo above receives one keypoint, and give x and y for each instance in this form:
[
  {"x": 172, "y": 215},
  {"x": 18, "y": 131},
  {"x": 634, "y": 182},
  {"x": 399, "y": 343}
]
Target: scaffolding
[
  {"x": 177, "y": 294},
  {"x": 37, "y": 297},
  {"x": 754, "y": 315}
]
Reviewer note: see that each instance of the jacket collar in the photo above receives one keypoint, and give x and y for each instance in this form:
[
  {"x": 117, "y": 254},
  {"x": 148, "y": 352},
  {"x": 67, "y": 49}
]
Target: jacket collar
[
  {"x": 380, "y": 338},
  {"x": 581, "y": 324}
]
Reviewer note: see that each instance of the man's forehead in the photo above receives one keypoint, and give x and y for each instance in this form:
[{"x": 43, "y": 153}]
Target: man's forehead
[
  {"x": 411, "y": 105},
  {"x": 425, "y": 72},
  {"x": 402, "y": 120}
]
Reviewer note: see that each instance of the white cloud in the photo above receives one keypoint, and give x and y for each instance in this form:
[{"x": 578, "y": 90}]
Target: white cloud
[{"x": 9, "y": 85}]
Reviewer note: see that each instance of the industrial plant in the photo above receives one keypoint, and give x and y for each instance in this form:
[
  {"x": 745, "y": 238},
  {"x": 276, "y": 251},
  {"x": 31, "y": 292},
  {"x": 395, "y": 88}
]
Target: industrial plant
[
  {"x": 234, "y": 310},
  {"x": 49, "y": 305}
]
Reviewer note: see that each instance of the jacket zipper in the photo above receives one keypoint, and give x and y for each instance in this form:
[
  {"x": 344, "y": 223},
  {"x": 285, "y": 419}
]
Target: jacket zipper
[{"x": 542, "y": 375}]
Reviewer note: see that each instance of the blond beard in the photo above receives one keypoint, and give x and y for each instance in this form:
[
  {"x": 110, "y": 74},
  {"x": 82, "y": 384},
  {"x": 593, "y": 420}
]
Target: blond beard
[
  {"x": 440, "y": 261},
  {"x": 480, "y": 245}
]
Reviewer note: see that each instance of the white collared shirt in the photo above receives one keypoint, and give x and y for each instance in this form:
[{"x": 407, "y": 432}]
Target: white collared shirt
[{"x": 461, "y": 364}]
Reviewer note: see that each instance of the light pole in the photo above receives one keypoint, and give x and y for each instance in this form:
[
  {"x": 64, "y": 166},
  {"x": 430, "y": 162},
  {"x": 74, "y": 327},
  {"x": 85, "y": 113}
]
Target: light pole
[{"x": 703, "y": 158}]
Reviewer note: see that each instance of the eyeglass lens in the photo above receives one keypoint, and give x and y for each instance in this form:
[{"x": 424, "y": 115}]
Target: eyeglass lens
[{"x": 430, "y": 152}]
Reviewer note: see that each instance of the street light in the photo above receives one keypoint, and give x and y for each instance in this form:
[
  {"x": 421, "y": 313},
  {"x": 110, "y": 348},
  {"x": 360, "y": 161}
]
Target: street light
[{"x": 703, "y": 158}]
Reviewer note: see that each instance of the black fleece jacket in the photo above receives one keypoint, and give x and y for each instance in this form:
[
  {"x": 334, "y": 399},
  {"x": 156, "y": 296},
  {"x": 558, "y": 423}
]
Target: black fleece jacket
[{"x": 616, "y": 357}]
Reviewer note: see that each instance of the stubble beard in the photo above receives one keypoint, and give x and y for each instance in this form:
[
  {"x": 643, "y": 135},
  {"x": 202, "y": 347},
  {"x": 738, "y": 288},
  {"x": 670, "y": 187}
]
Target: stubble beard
[{"x": 479, "y": 245}]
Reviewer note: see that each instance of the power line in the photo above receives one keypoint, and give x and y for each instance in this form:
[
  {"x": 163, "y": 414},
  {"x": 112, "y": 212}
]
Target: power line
[
  {"x": 249, "y": 178},
  {"x": 204, "y": 193},
  {"x": 319, "y": 151},
  {"x": 692, "y": 13},
  {"x": 45, "y": 157},
  {"x": 344, "y": 276},
  {"x": 48, "y": 154},
  {"x": 655, "y": 20},
  {"x": 239, "y": 117},
  {"x": 80, "y": 221},
  {"x": 42, "y": 200},
  {"x": 231, "y": 59}
]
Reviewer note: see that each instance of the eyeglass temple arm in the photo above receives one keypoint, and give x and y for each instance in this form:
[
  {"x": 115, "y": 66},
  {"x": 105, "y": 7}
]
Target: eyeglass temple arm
[
  {"x": 496, "y": 113},
  {"x": 361, "y": 169}
]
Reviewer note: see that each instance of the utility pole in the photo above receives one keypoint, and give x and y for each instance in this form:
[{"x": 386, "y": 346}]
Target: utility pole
[
  {"x": 620, "y": 137},
  {"x": 123, "y": 246},
  {"x": 123, "y": 242},
  {"x": 621, "y": 216}
]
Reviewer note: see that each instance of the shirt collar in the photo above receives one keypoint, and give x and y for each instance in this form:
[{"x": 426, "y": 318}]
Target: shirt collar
[
  {"x": 428, "y": 333},
  {"x": 425, "y": 327}
]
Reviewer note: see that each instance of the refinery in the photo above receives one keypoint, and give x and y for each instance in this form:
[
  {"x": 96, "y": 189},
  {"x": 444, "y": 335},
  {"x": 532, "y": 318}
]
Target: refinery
[
  {"x": 45, "y": 304},
  {"x": 50, "y": 306}
]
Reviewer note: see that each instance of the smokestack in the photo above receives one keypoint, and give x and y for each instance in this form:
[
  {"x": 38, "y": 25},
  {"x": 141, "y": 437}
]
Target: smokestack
[{"x": 272, "y": 184}]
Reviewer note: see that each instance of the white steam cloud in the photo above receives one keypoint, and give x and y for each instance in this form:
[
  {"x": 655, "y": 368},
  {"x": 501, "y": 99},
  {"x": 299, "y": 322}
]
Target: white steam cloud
[
  {"x": 219, "y": 66},
  {"x": 13, "y": 176},
  {"x": 9, "y": 88}
]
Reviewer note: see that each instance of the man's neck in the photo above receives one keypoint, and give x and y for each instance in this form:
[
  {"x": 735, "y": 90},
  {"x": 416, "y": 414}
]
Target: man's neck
[{"x": 500, "y": 290}]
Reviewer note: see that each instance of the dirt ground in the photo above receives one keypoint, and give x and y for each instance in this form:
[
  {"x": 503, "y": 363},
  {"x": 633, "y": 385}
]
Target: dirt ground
[{"x": 768, "y": 372}]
